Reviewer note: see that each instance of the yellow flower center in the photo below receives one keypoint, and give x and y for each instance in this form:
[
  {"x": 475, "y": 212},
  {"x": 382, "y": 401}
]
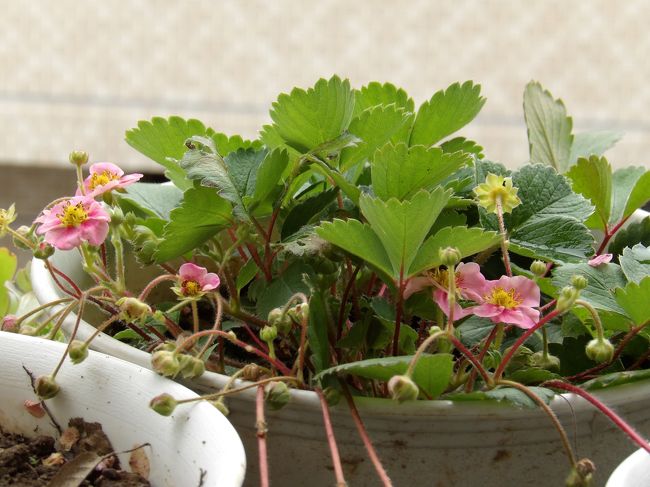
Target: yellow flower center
[
  {"x": 500, "y": 297},
  {"x": 191, "y": 288},
  {"x": 73, "y": 215},
  {"x": 101, "y": 179}
]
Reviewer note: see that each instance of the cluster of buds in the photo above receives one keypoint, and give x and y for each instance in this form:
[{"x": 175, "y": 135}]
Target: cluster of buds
[
  {"x": 570, "y": 294},
  {"x": 132, "y": 309},
  {"x": 167, "y": 361}
]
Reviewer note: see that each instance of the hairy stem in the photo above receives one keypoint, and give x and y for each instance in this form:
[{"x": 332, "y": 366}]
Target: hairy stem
[
  {"x": 260, "y": 424},
  {"x": 331, "y": 440}
]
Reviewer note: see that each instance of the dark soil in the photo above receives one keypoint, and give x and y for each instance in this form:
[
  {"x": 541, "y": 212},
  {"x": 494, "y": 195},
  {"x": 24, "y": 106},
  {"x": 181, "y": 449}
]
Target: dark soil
[{"x": 83, "y": 448}]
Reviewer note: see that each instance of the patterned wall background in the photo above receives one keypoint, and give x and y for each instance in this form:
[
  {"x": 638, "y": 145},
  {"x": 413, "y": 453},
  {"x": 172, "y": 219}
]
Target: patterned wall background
[{"x": 77, "y": 74}]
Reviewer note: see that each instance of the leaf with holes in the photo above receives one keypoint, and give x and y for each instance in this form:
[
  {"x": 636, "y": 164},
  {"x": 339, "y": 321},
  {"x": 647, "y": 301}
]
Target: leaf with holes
[
  {"x": 446, "y": 112},
  {"x": 307, "y": 119},
  {"x": 549, "y": 128}
]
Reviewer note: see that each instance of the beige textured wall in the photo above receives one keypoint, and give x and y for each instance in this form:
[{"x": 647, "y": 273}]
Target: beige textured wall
[{"x": 76, "y": 74}]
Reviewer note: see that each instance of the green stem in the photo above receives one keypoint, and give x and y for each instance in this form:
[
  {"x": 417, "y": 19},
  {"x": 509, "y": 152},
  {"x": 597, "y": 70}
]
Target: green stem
[
  {"x": 116, "y": 240},
  {"x": 82, "y": 305},
  {"x": 216, "y": 395},
  {"x": 600, "y": 334},
  {"x": 504, "y": 237},
  {"x": 421, "y": 349},
  {"x": 195, "y": 316}
]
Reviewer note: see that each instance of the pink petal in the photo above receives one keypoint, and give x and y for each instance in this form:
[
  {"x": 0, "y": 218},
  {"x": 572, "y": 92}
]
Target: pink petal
[
  {"x": 64, "y": 238},
  {"x": 600, "y": 259},
  {"x": 192, "y": 272},
  {"x": 471, "y": 282},
  {"x": 416, "y": 284},
  {"x": 100, "y": 167},
  {"x": 441, "y": 299},
  {"x": 487, "y": 310},
  {"x": 210, "y": 281},
  {"x": 526, "y": 289},
  {"x": 521, "y": 317},
  {"x": 94, "y": 231}
]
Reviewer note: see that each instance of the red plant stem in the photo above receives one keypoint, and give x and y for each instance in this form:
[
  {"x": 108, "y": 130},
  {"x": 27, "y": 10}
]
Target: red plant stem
[
  {"x": 102, "y": 250},
  {"x": 615, "y": 418},
  {"x": 363, "y": 434},
  {"x": 619, "y": 349},
  {"x": 54, "y": 272},
  {"x": 371, "y": 283},
  {"x": 331, "y": 440},
  {"x": 481, "y": 356},
  {"x": 470, "y": 356},
  {"x": 241, "y": 252},
  {"x": 149, "y": 287},
  {"x": 255, "y": 338},
  {"x": 260, "y": 228},
  {"x": 256, "y": 257},
  {"x": 548, "y": 305},
  {"x": 609, "y": 234},
  {"x": 399, "y": 309},
  {"x": 521, "y": 341},
  {"x": 269, "y": 234},
  {"x": 284, "y": 370},
  {"x": 344, "y": 298},
  {"x": 260, "y": 424}
]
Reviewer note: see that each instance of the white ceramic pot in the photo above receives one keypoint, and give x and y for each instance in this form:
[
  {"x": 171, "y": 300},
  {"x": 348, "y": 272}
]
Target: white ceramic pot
[
  {"x": 116, "y": 394},
  {"x": 633, "y": 472},
  {"x": 428, "y": 443}
]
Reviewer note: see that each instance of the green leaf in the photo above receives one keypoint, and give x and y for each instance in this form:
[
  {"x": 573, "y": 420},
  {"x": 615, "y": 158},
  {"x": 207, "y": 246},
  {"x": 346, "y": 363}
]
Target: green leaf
[
  {"x": 307, "y": 119},
  {"x": 375, "y": 94},
  {"x": 587, "y": 144},
  {"x": 635, "y": 263},
  {"x": 637, "y": 232},
  {"x": 468, "y": 241},
  {"x": 246, "y": 274},
  {"x": 155, "y": 199},
  {"x": 446, "y": 112},
  {"x": 532, "y": 375},
  {"x": 201, "y": 215},
  {"x": 631, "y": 190},
  {"x": 8, "y": 265},
  {"x": 432, "y": 372},
  {"x": 592, "y": 178},
  {"x": 317, "y": 332},
  {"x": 602, "y": 281},
  {"x": 635, "y": 300},
  {"x": 462, "y": 144},
  {"x": 163, "y": 140},
  {"x": 403, "y": 226},
  {"x": 269, "y": 174},
  {"x": 506, "y": 394},
  {"x": 358, "y": 239},
  {"x": 548, "y": 224},
  {"x": 282, "y": 288},
  {"x": 374, "y": 127},
  {"x": 225, "y": 145},
  {"x": 549, "y": 128},
  {"x": 350, "y": 190},
  {"x": 307, "y": 210},
  {"x": 616, "y": 379},
  {"x": 400, "y": 172}
]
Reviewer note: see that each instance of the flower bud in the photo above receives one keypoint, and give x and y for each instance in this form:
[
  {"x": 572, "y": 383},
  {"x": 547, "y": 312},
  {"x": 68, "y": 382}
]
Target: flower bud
[
  {"x": 277, "y": 395},
  {"x": 579, "y": 282},
  {"x": 43, "y": 251},
  {"x": 192, "y": 367},
  {"x": 164, "y": 404},
  {"x": 402, "y": 388},
  {"x": 332, "y": 396},
  {"x": 538, "y": 268},
  {"x": 133, "y": 308},
  {"x": 449, "y": 256},
  {"x": 221, "y": 406},
  {"x": 280, "y": 320},
  {"x": 269, "y": 333},
  {"x": 434, "y": 329},
  {"x": 78, "y": 157},
  {"x": 522, "y": 358},
  {"x": 46, "y": 387},
  {"x": 567, "y": 298},
  {"x": 78, "y": 351},
  {"x": 600, "y": 350},
  {"x": 251, "y": 372},
  {"x": 25, "y": 232},
  {"x": 548, "y": 362},
  {"x": 299, "y": 313},
  {"x": 8, "y": 323},
  {"x": 581, "y": 475},
  {"x": 117, "y": 216},
  {"x": 165, "y": 363}
]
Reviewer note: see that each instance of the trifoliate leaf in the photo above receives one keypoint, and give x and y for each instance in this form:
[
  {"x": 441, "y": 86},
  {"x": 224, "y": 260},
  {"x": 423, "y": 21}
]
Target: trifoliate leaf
[
  {"x": 635, "y": 263},
  {"x": 588, "y": 144},
  {"x": 307, "y": 119},
  {"x": 154, "y": 199},
  {"x": 549, "y": 128},
  {"x": 462, "y": 144},
  {"x": 592, "y": 178},
  {"x": 375, "y": 94},
  {"x": 399, "y": 171},
  {"x": 446, "y": 112},
  {"x": 225, "y": 145},
  {"x": 200, "y": 216}
]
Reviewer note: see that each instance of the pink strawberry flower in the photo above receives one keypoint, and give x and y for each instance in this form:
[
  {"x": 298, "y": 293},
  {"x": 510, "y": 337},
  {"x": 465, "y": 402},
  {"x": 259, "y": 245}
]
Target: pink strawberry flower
[
  {"x": 509, "y": 300},
  {"x": 600, "y": 260},
  {"x": 104, "y": 177},
  {"x": 73, "y": 221},
  {"x": 195, "y": 280}
]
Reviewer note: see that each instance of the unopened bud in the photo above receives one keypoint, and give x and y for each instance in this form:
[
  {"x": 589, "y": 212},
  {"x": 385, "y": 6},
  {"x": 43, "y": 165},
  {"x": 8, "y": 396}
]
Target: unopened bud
[
  {"x": 277, "y": 395},
  {"x": 434, "y": 329},
  {"x": 164, "y": 404},
  {"x": 579, "y": 282},
  {"x": 25, "y": 232},
  {"x": 221, "y": 406},
  {"x": 192, "y": 368},
  {"x": 402, "y": 388},
  {"x": 280, "y": 320},
  {"x": 600, "y": 350},
  {"x": 269, "y": 333},
  {"x": 522, "y": 358},
  {"x": 548, "y": 362},
  {"x": 117, "y": 216},
  {"x": 78, "y": 157},
  {"x": 78, "y": 351},
  {"x": 449, "y": 256},
  {"x": 582, "y": 474},
  {"x": 43, "y": 251},
  {"x": 9, "y": 323},
  {"x": 538, "y": 268},
  {"x": 567, "y": 298},
  {"x": 133, "y": 308},
  {"x": 252, "y": 372},
  {"x": 46, "y": 387},
  {"x": 299, "y": 313},
  {"x": 332, "y": 396},
  {"x": 165, "y": 363}
]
